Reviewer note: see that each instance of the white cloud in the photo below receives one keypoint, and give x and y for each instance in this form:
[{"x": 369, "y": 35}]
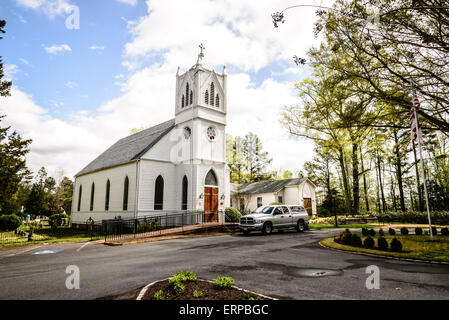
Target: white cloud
[
  {"x": 10, "y": 70},
  {"x": 95, "y": 47},
  {"x": 130, "y": 2},
  {"x": 55, "y": 49},
  {"x": 71, "y": 84},
  {"x": 51, "y": 8}
]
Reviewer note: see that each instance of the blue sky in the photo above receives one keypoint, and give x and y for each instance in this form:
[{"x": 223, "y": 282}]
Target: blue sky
[
  {"x": 77, "y": 91},
  {"x": 82, "y": 78}
]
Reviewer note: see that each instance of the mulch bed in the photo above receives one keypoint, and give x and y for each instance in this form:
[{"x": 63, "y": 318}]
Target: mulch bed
[{"x": 209, "y": 290}]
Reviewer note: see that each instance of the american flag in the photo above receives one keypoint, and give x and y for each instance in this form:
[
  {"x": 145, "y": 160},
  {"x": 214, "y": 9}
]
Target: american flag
[{"x": 416, "y": 128}]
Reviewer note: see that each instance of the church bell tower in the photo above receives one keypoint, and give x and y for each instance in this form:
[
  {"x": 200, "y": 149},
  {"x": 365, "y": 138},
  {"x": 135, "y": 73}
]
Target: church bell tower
[{"x": 200, "y": 118}]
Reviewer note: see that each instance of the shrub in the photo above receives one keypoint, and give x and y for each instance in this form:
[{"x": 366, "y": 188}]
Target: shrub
[
  {"x": 445, "y": 231},
  {"x": 365, "y": 232},
  {"x": 371, "y": 232},
  {"x": 184, "y": 276},
  {"x": 382, "y": 243},
  {"x": 404, "y": 231},
  {"x": 396, "y": 245},
  {"x": 159, "y": 295},
  {"x": 149, "y": 226},
  {"x": 434, "y": 231},
  {"x": 345, "y": 237},
  {"x": 391, "y": 231},
  {"x": 10, "y": 222},
  {"x": 381, "y": 232},
  {"x": 368, "y": 243},
  {"x": 232, "y": 215},
  {"x": 179, "y": 288},
  {"x": 323, "y": 212},
  {"x": 418, "y": 231},
  {"x": 198, "y": 294},
  {"x": 56, "y": 220},
  {"x": 178, "y": 281},
  {"x": 223, "y": 282},
  {"x": 356, "y": 241}
]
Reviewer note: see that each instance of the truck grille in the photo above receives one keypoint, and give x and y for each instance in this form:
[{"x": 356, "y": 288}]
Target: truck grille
[{"x": 245, "y": 220}]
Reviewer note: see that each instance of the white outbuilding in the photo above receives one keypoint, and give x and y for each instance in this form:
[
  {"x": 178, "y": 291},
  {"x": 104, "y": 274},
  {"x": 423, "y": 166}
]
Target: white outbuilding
[{"x": 249, "y": 196}]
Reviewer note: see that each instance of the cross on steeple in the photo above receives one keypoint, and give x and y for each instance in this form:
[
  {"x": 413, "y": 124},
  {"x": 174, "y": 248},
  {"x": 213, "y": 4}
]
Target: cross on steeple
[{"x": 201, "y": 54}]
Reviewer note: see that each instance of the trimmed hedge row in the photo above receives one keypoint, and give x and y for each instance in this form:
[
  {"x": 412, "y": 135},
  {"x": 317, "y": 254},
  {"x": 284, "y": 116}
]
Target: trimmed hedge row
[{"x": 350, "y": 239}]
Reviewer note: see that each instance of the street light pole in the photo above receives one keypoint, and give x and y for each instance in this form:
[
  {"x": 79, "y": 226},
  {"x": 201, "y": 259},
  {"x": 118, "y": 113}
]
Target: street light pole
[{"x": 334, "y": 196}]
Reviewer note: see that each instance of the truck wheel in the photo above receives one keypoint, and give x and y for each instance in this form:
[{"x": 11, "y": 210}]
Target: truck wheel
[
  {"x": 300, "y": 226},
  {"x": 267, "y": 228}
]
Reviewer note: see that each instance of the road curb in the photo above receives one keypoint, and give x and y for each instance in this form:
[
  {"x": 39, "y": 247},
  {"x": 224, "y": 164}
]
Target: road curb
[
  {"x": 145, "y": 289},
  {"x": 383, "y": 256}
]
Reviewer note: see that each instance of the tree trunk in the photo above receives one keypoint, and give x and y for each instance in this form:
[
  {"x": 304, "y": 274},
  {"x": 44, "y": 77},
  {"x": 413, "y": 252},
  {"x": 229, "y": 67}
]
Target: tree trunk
[
  {"x": 365, "y": 191},
  {"x": 381, "y": 185},
  {"x": 345, "y": 180},
  {"x": 420, "y": 200},
  {"x": 399, "y": 171},
  {"x": 355, "y": 178}
]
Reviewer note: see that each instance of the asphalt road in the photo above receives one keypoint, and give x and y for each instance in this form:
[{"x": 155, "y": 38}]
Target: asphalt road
[{"x": 281, "y": 265}]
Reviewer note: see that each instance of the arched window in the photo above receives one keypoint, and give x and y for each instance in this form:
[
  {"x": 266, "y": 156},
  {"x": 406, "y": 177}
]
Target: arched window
[
  {"x": 191, "y": 97},
  {"x": 80, "y": 193},
  {"x": 182, "y": 102},
  {"x": 125, "y": 194},
  {"x": 206, "y": 97},
  {"x": 92, "y": 196},
  {"x": 108, "y": 190},
  {"x": 185, "y": 187},
  {"x": 212, "y": 94},
  {"x": 217, "y": 101},
  {"x": 211, "y": 179},
  {"x": 159, "y": 194},
  {"x": 187, "y": 94}
]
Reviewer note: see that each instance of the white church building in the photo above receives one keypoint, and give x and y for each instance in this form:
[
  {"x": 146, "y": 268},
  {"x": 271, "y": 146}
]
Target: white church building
[{"x": 178, "y": 165}]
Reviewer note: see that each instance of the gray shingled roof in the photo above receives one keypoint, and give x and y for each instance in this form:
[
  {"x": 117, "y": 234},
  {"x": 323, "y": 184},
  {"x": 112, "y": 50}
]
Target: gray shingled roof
[
  {"x": 129, "y": 148},
  {"x": 265, "y": 186}
]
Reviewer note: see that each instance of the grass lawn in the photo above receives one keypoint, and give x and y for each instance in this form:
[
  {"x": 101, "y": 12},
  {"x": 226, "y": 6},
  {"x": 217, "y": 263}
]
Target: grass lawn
[
  {"x": 413, "y": 247},
  {"x": 64, "y": 234}
]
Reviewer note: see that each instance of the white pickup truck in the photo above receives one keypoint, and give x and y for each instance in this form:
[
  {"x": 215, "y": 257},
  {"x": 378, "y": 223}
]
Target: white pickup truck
[{"x": 272, "y": 217}]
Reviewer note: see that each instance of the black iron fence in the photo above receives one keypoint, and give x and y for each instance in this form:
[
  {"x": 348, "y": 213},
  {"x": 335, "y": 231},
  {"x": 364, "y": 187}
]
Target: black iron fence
[
  {"x": 145, "y": 226},
  {"x": 116, "y": 229}
]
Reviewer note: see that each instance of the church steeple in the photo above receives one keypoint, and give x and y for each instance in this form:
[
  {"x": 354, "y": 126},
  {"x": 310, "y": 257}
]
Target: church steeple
[{"x": 200, "y": 87}]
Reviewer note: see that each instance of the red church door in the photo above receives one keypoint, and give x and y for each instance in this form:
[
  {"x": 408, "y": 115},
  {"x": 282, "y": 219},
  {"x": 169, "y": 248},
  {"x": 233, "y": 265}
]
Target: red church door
[{"x": 210, "y": 204}]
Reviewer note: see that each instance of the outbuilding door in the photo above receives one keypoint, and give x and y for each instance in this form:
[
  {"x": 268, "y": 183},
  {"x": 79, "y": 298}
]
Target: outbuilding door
[
  {"x": 308, "y": 205},
  {"x": 210, "y": 204}
]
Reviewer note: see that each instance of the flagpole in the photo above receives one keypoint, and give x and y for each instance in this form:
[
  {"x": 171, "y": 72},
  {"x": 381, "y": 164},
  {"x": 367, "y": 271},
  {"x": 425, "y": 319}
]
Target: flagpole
[{"x": 418, "y": 132}]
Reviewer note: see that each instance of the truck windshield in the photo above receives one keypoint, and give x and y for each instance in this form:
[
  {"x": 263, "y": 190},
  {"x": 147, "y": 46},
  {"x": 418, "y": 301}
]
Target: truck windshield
[{"x": 266, "y": 210}]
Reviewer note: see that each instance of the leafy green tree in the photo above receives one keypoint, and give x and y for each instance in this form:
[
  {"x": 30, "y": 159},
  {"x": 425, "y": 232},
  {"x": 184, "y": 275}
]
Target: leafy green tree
[{"x": 256, "y": 160}]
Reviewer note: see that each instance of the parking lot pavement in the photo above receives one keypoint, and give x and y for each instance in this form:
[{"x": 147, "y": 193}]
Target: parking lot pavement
[{"x": 286, "y": 265}]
